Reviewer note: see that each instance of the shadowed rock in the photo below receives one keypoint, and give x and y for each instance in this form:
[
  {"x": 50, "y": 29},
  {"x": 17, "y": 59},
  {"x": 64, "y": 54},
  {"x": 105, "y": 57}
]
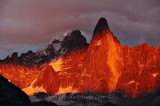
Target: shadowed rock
[
  {"x": 11, "y": 95},
  {"x": 101, "y": 25}
]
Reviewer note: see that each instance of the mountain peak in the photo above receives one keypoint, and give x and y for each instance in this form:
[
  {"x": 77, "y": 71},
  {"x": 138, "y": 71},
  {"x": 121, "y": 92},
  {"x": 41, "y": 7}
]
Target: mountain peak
[
  {"x": 101, "y": 25},
  {"x": 74, "y": 40}
]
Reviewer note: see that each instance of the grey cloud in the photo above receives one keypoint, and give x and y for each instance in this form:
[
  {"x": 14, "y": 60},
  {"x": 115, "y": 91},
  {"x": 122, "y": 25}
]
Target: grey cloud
[{"x": 36, "y": 22}]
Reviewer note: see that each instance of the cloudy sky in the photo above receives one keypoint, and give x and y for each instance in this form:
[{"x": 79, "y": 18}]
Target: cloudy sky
[{"x": 32, "y": 24}]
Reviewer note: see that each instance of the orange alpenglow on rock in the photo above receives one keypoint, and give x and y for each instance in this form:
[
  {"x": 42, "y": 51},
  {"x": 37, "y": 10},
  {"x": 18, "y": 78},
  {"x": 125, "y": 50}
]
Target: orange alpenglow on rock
[{"x": 103, "y": 66}]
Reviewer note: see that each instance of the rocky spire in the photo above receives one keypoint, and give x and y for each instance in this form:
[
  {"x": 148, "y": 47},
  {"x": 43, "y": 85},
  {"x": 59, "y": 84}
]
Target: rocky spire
[{"x": 101, "y": 25}]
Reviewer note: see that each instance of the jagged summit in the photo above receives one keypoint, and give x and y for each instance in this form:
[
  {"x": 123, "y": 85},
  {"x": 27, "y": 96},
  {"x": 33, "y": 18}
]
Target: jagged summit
[
  {"x": 72, "y": 41},
  {"x": 103, "y": 66},
  {"x": 101, "y": 25}
]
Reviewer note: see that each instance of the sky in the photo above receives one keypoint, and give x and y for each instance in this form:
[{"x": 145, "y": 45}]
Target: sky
[{"x": 32, "y": 24}]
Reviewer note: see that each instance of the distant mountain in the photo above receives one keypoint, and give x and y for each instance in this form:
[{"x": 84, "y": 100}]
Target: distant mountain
[
  {"x": 106, "y": 66},
  {"x": 103, "y": 66},
  {"x": 72, "y": 41}
]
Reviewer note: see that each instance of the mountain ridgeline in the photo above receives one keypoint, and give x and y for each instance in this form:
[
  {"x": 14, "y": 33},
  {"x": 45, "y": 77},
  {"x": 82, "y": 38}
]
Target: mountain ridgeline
[
  {"x": 72, "y": 65},
  {"x": 72, "y": 41}
]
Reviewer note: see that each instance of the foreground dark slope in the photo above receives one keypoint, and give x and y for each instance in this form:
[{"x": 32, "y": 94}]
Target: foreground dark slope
[{"x": 10, "y": 95}]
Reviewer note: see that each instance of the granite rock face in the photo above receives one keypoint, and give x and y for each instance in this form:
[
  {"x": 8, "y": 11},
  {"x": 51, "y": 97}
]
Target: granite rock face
[{"x": 103, "y": 66}]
